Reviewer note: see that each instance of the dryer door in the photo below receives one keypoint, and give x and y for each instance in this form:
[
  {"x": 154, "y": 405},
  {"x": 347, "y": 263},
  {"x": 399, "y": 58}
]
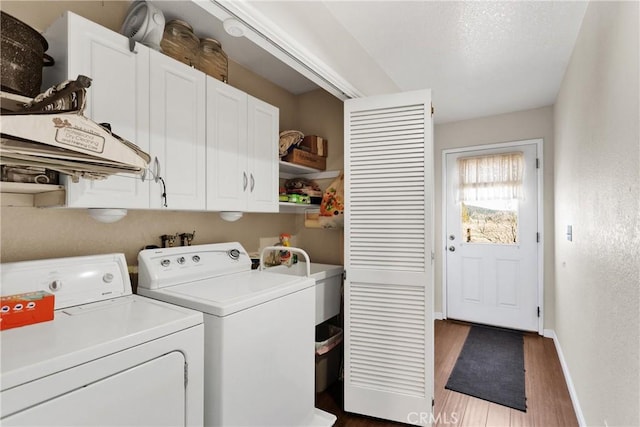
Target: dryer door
[{"x": 103, "y": 392}]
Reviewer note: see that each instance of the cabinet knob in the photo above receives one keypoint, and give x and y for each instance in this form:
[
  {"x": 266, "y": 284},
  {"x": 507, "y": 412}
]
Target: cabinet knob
[{"x": 55, "y": 285}]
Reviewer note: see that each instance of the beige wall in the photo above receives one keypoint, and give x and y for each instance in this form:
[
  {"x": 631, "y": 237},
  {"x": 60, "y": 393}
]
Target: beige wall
[
  {"x": 31, "y": 233},
  {"x": 40, "y": 14},
  {"x": 597, "y": 183},
  {"x": 322, "y": 114},
  {"x": 521, "y": 125},
  {"x": 249, "y": 82}
]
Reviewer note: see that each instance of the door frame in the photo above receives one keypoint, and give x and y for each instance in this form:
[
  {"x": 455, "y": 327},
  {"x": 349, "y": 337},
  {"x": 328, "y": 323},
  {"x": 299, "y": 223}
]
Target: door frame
[{"x": 540, "y": 216}]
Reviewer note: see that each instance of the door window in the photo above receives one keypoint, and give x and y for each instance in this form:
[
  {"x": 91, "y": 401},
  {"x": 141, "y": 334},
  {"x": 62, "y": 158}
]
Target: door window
[
  {"x": 490, "y": 221},
  {"x": 489, "y": 187}
]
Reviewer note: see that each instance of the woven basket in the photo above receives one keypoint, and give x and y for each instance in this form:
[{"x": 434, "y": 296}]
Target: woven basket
[
  {"x": 212, "y": 60},
  {"x": 179, "y": 42}
]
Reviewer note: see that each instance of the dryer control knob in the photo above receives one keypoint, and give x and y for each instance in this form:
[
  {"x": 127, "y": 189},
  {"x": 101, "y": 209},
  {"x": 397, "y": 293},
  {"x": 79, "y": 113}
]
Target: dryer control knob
[
  {"x": 234, "y": 254},
  {"x": 196, "y": 258},
  {"x": 107, "y": 278},
  {"x": 165, "y": 262},
  {"x": 55, "y": 285},
  {"x": 181, "y": 260}
]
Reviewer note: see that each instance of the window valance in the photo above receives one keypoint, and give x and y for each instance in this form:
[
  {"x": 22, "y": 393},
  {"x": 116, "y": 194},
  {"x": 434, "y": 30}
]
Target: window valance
[{"x": 494, "y": 177}]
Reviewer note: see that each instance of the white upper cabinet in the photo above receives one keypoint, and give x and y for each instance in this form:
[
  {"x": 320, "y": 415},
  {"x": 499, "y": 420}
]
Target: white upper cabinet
[
  {"x": 212, "y": 147},
  {"x": 263, "y": 160},
  {"x": 242, "y": 144},
  {"x": 177, "y": 135},
  {"x": 119, "y": 95},
  {"x": 227, "y": 178}
]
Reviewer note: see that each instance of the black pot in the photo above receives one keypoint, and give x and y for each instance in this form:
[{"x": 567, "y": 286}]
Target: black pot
[{"x": 22, "y": 51}]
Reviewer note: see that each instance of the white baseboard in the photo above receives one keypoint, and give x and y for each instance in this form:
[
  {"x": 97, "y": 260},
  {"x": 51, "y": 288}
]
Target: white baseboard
[
  {"x": 550, "y": 333},
  {"x": 437, "y": 315}
]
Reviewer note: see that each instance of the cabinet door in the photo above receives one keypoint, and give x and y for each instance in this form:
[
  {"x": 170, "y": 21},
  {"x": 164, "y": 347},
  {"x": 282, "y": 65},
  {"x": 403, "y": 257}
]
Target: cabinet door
[
  {"x": 177, "y": 134},
  {"x": 263, "y": 122},
  {"x": 119, "y": 95},
  {"x": 227, "y": 169}
]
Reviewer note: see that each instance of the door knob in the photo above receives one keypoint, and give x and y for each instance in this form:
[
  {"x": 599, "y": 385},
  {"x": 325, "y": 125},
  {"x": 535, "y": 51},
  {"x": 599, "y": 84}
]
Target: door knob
[{"x": 452, "y": 248}]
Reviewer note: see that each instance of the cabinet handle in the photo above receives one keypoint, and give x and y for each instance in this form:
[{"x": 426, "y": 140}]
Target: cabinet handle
[
  {"x": 156, "y": 172},
  {"x": 244, "y": 181},
  {"x": 157, "y": 178},
  {"x": 253, "y": 183}
]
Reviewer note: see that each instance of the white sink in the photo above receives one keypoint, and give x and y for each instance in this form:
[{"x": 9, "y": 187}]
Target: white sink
[{"x": 328, "y": 286}]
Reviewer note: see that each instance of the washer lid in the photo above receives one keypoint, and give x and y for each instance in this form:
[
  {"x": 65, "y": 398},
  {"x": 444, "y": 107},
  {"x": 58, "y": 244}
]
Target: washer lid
[
  {"x": 87, "y": 332},
  {"x": 229, "y": 294}
]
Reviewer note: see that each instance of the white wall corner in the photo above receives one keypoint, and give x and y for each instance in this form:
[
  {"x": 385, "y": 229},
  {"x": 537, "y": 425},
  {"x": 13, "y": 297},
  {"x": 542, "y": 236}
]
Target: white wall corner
[
  {"x": 550, "y": 333},
  {"x": 437, "y": 315}
]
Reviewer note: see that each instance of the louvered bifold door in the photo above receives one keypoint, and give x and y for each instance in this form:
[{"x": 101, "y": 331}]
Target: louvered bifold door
[{"x": 388, "y": 244}]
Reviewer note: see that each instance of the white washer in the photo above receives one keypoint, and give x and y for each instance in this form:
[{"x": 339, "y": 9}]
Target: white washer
[
  {"x": 259, "y": 333},
  {"x": 108, "y": 357}
]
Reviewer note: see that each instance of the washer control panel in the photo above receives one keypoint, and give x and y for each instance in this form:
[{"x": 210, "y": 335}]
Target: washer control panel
[
  {"x": 171, "y": 266},
  {"x": 184, "y": 260}
]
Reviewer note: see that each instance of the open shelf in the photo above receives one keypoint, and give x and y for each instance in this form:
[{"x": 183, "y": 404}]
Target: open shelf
[
  {"x": 22, "y": 194},
  {"x": 291, "y": 170},
  {"x": 286, "y": 207},
  {"x": 28, "y": 188}
]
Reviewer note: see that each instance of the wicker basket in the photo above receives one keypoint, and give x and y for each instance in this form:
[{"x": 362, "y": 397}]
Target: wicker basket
[
  {"x": 179, "y": 42},
  {"x": 212, "y": 60}
]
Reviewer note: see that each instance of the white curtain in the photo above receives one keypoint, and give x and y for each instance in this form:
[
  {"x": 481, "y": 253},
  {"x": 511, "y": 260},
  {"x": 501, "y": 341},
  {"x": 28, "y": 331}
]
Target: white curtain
[{"x": 494, "y": 177}]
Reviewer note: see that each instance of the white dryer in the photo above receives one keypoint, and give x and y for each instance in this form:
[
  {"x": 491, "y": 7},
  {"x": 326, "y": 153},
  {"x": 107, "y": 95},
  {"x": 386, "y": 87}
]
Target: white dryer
[
  {"x": 108, "y": 357},
  {"x": 259, "y": 333}
]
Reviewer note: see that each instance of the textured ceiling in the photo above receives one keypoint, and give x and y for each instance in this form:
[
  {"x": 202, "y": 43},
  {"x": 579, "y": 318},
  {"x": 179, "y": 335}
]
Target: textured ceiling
[{"x": 479, "y": 58}]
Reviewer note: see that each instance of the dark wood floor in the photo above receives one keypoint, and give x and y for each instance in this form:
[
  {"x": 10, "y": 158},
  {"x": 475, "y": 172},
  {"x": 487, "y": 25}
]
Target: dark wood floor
[{"x": 548, "y": 401}]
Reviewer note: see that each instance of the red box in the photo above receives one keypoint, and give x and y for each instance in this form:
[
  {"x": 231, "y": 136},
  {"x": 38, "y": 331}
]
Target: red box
[{"x": 26, "y": 309}]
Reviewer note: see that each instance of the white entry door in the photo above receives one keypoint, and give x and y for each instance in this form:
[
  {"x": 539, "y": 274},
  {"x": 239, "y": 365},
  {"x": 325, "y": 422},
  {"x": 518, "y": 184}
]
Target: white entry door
[{"x": 492, "y": 236}]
